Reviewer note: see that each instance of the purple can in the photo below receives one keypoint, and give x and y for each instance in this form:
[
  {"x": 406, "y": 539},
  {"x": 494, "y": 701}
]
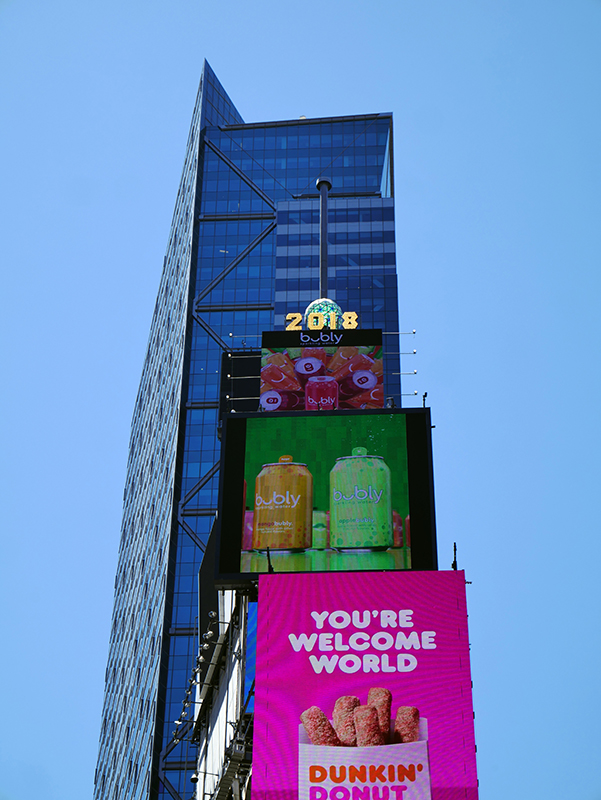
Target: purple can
[
  {"x": 306, "y": 368},
  {"x": 361, "y": 381},
  {"x": 281, "y": 401}
]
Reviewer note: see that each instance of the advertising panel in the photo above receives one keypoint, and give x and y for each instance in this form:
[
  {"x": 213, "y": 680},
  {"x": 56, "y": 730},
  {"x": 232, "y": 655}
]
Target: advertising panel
[
  {"x": 321, "y": 370},
  {"x": 346, "y": 490},
  {"x": 363, "y": 688}
]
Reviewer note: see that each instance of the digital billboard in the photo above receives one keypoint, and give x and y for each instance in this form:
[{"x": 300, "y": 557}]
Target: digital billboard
[
  {"x": 363, "y": 688},
  {"x": 333, "y": 491},
  {"x": 321, "y": 370}
]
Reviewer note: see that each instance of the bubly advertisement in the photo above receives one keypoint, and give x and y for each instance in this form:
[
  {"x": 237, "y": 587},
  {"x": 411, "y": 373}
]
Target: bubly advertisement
[
  {"x": 337, "y": 491},
  {"x": 363, "y": 688},
  {"x": 321, "y": 370}
]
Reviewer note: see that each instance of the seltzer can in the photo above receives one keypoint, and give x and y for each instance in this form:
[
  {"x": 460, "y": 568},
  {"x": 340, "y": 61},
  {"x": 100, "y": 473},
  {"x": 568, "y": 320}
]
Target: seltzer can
[
  {"x": 281, "y": 401},
  {"x": 360, "y": 502},
  {"x": 362, "y": 380},
  {"x": 321, "y": 529},
  {"x": 321, "y": 394},
  {"x": 306, "y": 368},
  {"x": 283, "y": 515}
]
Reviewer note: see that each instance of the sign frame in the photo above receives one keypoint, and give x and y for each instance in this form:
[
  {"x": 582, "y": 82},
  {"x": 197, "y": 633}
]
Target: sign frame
[
  {"x": 403, "y": 632},
  {"x": 421, "y": 489}
]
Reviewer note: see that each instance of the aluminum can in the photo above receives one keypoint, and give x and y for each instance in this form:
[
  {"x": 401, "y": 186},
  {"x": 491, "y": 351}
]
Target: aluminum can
[
  {"x": 321, "y": 529},
  {"x": 361, "y": 381},
  {"x": 340, "y": 357},
  {"x": 397, "y": 524},
  {"x": 321, "y": 394},
  {"x": 368, "y": 399},
  {"x": 315, "y": 352},
  {"x": 283, "y": 518},
  {"x": 283, "y": 362},
  {"x": 278, "y": 379},
  {"x": 306, "y": 368},
  {"x": 281, "y": 401},
  {"x": 247, "y": 533},
  {"x": 357, "y": 362},
  {"x": 360, "y": 502}
]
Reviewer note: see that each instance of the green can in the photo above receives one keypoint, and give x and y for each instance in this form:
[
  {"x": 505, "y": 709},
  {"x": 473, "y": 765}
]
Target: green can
[
  {"x": 321, "y": 534},
  {"x": 360, "y": 502}
]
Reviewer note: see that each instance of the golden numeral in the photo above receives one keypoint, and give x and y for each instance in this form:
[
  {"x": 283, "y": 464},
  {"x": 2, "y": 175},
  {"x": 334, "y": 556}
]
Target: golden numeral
[
  {"x": 349, "y": 320},
  {"x": 294, "y": 324},
  {"x": 315, "y": 321}
]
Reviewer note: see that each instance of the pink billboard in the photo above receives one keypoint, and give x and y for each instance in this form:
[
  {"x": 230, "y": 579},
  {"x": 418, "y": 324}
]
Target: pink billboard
[{"x": 363, "y": 688}]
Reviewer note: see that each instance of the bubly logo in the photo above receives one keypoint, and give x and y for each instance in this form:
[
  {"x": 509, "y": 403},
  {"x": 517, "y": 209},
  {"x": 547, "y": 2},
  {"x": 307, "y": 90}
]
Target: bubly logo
[
  {"x": 323, "y": 338},
  {"x": 280, "y": 500},
  {"x": 321, "y": 401},
  {"x": 360, "y": 494}
]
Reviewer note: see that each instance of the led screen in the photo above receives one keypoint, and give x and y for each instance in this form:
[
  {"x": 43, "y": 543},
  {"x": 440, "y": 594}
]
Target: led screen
[
  {"x": 331, "y": 491},
  {"x": 321, "y": 370},
  {"x": 363, "y": 688}
]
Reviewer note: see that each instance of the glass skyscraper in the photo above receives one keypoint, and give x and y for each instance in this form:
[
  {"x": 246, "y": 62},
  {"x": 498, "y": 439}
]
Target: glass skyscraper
[{"x": 243, "y": 252}]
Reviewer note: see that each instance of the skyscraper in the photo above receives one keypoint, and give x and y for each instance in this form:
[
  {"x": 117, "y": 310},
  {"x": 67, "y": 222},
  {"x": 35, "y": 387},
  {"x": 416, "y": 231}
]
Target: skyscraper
[{"x": 243, "y": 252}]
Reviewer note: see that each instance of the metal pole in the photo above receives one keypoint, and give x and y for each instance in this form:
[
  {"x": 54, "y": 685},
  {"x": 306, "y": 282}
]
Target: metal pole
[{"x": 323, "y": 185}]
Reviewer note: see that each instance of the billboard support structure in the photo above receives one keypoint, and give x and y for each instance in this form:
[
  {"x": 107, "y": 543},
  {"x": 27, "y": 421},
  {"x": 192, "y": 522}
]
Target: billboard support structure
[{"x": 323, "y": 186}]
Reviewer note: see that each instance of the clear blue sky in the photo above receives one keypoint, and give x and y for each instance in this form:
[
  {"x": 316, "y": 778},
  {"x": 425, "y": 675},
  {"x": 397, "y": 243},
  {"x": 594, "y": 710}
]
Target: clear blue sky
[{"x": 498, "y": 168}]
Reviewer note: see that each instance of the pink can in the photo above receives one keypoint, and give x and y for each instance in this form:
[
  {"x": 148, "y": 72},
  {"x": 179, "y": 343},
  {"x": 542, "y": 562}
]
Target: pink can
[{"x": 321, "y": 394}]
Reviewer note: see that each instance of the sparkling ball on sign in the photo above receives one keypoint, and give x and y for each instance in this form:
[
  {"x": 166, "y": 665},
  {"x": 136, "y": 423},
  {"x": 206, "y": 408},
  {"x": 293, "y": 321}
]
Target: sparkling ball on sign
[{"x": 326, "y": 307}]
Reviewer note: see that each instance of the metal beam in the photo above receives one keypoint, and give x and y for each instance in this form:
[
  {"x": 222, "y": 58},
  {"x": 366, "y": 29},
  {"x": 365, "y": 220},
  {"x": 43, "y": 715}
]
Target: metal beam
[
  {"x": 233, "y": 264},
  {"x": 207, "y": 328},
  {"x": 242, "y": 175},
  {"x": 202, "y": 482}
]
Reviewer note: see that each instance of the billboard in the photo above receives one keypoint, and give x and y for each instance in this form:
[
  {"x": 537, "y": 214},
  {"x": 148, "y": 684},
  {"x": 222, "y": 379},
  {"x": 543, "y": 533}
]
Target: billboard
[
  {"x": 340, "y": 490},
  {"x": 321, "y": 370},
  {"x": 363, "y": 688}
]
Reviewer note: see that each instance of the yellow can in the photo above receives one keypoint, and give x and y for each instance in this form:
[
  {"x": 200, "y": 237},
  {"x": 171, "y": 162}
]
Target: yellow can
[{"x": 283, "y": 517}]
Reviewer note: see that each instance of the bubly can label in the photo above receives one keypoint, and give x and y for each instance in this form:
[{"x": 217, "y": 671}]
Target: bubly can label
[
  {"x": 283, "y": 516},
  {"x": 321, "y": 394},
  {"x": 360, "y": 502}
]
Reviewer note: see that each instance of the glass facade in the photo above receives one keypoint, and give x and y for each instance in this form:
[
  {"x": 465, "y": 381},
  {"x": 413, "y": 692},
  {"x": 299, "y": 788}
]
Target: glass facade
[{"x": 243, "y": 252}]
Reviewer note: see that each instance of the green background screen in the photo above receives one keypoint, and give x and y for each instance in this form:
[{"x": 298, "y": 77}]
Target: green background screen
[{"x": 318, "y": 441}]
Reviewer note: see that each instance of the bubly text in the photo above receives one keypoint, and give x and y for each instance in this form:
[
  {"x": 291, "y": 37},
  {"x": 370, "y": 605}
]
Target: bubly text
[
  {"x": 287, "y": 500},
  {"x": 359, "y": 494}
]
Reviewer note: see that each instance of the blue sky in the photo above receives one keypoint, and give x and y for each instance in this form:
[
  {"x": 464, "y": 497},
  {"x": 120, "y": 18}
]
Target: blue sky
[{"x": 497, "y": 168}]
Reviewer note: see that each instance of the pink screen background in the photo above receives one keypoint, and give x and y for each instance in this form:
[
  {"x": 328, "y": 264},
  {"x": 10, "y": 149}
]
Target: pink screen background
[{"x": 286, "y": 683}]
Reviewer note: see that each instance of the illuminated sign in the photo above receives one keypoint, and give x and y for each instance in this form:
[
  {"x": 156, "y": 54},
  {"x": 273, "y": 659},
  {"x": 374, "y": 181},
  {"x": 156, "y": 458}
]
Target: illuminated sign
[
  {"x": 316, "y": 320},
  {"x": 325, "y": 492},
  {"x": 363, "y": 688},
  {"x": 321, "y": 370}
]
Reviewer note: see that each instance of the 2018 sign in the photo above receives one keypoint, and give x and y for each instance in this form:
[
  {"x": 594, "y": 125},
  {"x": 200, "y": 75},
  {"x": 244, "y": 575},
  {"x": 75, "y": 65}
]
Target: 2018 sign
[{"x": 316, "y": 321}]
